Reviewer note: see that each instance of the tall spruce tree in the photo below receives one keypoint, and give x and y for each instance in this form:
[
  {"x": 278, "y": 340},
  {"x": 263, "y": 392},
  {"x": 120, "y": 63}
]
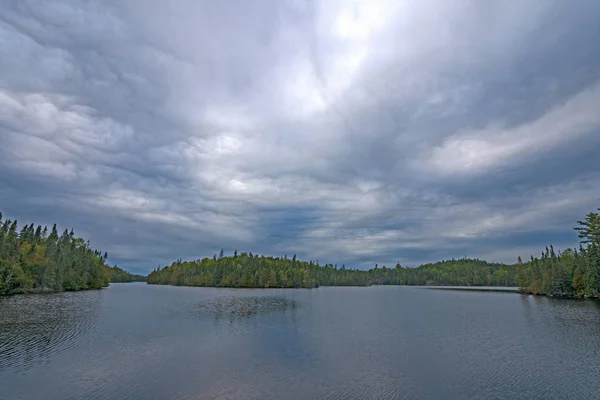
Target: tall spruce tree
[{"x": 589, "y": 228}]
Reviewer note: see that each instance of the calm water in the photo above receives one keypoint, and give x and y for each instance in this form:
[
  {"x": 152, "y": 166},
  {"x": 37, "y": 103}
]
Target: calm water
[{"x": 161, "y": 342}]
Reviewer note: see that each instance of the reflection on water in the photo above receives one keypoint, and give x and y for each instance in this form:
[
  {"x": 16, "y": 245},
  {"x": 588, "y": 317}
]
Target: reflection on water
[
  {"x": 243, "y": 307},
  {"x": 33, "y": 327}
]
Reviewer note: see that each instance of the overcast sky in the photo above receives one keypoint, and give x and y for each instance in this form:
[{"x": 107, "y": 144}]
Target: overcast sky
[{"x": 349, "y": 132}]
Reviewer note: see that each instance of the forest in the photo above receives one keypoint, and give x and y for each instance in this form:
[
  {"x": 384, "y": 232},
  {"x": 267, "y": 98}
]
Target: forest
[
  {"x": 254, "y": 271},
  {"x": 461, "y": 272},
  {"x": 117, "y": 275},
  {"x": 240, "y": 270},
  {"x": 572, "y": 273},
  {"x": 35, "y": 260}
]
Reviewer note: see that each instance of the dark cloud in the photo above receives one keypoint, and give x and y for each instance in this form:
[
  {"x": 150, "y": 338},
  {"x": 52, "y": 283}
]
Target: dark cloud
[{"x": 355, "y": 133}]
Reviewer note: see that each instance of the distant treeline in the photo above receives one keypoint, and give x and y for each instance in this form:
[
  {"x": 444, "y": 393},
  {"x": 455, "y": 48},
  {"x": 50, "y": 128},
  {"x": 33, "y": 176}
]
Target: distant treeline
[
  {"x": 35, "y": 260},
  {"x": 117, "y": 274},
  {"x": 461, "y": 272},
  {"x": 574, "y": 272},
  {"x": 570, "y": 273},
  {"x": 254, "y": 271}
]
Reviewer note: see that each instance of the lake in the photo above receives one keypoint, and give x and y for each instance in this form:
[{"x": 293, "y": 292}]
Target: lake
[{"x": 138, "y": 341}]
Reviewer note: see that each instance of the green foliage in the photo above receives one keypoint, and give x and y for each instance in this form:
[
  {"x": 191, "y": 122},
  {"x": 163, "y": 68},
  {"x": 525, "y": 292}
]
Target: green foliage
[
  {"x": 241, "y": 270},
  {"x": 572, "y": 273},
  {"x": 31, "y": 262},
  {"x": 578, "y": 283},
  {"x": 252, "y": 271},
  {"x": 117, "y": 274},
  {"x": 589, "y": 229},
  {"x": 34, "y": 260},
  {"x": 462, "y": 272}
]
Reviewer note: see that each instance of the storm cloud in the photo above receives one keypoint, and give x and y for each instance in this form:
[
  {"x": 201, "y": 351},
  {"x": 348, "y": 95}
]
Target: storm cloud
[{"x": 354, "y": 132}]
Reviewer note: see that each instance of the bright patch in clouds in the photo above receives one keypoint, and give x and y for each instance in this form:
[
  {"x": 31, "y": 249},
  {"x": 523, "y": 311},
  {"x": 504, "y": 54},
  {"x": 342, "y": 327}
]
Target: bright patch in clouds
[{"x": 358, "y": 20}]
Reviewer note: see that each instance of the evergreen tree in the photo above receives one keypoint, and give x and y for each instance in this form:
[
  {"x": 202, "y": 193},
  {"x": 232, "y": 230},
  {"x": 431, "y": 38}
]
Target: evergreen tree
[
  {"x": 38, "y": 234},
  {"x": 30, "y": 261},
  {"x": 570, "y": 273},
  {"x": 522, "y": 276},
  {"x": 589, "y": 228}
]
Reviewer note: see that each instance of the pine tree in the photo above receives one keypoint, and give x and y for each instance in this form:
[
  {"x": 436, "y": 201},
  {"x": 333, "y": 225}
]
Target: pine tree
[
  {"x": 38, "y": 234},
  {"x": 23, "y": 236},
  {"x": 590, "y": 274},
  {"x": 522, "y": 276},
  {"x": 54, "y": 234},
  {"x": 589, "y": 229}
]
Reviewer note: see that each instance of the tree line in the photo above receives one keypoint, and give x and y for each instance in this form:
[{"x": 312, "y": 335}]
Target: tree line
[
  {"x": 117, "y": 275},
  {"x": 454, "y": 272},
  {"x": 572, "y": 273},
  {"x": 34, "y": 259},
  {"x": 246, "y": 270}
]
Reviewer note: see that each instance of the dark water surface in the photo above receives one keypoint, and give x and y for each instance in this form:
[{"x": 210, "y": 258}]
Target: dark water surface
[{"x": 135, "y": 341}]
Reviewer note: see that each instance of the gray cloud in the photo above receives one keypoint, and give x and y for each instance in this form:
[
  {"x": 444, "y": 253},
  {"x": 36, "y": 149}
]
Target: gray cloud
[{"x": 356, "y": 133}]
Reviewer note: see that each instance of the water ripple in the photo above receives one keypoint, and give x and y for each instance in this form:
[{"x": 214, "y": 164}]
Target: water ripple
[{"x": 34, "y": 327}]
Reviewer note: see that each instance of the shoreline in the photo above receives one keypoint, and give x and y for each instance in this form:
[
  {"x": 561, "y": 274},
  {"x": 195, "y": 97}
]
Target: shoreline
[
  {"x": 474, "y": 289},
  {"x": 516, "y": 291},
  {"x": 46, "y": 291}
]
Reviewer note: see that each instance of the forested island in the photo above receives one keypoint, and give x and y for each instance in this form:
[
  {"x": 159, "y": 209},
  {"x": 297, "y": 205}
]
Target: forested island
[
  {"x": 246, "y": 270},
  {"x": 571, "y": 273},
  {"x": 33, "y": 260}
]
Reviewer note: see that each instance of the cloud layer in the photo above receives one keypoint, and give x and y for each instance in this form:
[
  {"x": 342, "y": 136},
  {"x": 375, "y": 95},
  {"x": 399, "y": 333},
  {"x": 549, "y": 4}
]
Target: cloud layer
[{"x": 349, "y": 132}]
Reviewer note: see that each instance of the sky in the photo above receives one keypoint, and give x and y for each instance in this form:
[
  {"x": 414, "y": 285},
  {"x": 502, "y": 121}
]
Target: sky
[{"x": 349, "y": 132}]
